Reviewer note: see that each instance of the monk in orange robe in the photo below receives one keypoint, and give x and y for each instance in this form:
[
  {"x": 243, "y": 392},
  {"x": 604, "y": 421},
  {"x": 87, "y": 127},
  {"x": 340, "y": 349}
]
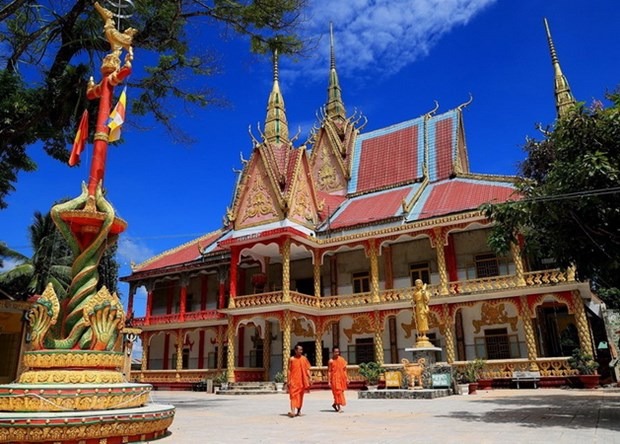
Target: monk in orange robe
[
  {"x": 298, "y": 380},
  {"x": 337, "y": 378}
]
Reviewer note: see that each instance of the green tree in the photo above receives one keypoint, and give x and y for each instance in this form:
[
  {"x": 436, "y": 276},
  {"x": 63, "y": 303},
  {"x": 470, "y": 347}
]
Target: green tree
[
  {"x": 570, "y": 197},
  {"x": 63, "y": 41},
  {"x": 50, "y": 262}
]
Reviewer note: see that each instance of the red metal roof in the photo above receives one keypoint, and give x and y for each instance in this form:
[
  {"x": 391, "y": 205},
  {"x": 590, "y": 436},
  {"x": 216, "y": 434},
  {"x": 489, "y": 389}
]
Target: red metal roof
[
  {"x": 179, "y": 255},
  {"x": 370, "y": 208},
  {"x": 331, "y": 202},
  {"x": 388, "y": 159},
  {"x": 457, "y": 195}
]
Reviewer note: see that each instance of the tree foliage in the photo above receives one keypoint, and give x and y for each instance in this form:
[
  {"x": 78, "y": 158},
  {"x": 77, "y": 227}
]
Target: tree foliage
[
  {"x": 50, "y": 48},
  {"x": 50, "y": 263},
  {"x": 570, "y": 206}
]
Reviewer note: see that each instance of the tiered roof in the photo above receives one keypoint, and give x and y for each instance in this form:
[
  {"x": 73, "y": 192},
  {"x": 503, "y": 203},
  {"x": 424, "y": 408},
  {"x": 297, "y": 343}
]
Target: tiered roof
[{"x": 411, "y": 171}]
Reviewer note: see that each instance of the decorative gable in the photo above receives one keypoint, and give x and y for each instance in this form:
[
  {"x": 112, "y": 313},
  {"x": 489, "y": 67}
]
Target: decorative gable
[
  {"x": 303, "y": 207},
  {"x": 258, "y": 202}
]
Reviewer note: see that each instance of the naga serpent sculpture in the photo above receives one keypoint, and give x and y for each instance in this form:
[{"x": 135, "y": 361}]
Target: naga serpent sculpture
[{"x": 85, "y": 319}]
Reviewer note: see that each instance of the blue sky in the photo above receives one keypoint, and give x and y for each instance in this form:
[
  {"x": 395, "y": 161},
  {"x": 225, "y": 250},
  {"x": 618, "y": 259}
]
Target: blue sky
[{"x": 394, "y": 59}]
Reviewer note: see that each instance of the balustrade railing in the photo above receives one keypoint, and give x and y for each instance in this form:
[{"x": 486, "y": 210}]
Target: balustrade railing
[
  {"x": 395, "y": 295},
  {"x": 504, "y": 368},
  {"x": 254, "y": 300}
]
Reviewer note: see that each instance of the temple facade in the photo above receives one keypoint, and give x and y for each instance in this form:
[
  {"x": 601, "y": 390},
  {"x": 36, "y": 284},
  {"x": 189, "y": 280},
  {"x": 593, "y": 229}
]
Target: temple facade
[{"x": 323, "y": 243}]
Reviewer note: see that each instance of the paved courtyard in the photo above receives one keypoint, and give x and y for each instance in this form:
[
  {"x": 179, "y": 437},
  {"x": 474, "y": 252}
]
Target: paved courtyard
[{"x": 497, "y": 416}]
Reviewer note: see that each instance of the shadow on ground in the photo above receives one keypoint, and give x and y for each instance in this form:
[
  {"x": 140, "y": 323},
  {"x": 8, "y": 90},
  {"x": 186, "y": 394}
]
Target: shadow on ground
[{"x": 581, "y": 412}]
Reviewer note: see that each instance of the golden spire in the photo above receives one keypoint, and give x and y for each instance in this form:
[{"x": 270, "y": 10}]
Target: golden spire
[
  {"x": 276, "y": 126},
  {"x": 564, "y": 99},
  {"x": 335, "y": 106}
]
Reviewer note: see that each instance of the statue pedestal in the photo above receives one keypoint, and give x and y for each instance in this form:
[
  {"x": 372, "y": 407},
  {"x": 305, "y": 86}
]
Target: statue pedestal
[{"x": 428, "y": 353}]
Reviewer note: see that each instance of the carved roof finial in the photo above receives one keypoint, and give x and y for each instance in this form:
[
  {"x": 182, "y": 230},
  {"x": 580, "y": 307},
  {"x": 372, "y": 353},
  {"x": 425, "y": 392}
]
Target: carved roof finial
[
  {"x": 335, "y": 105},
  {"x": 276, "y": 125},
  {"x": 564, "y": 99}
]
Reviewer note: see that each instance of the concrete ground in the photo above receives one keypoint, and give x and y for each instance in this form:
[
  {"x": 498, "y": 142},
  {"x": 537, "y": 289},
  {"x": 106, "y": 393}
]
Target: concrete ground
[{"x": 496, "y": 416}]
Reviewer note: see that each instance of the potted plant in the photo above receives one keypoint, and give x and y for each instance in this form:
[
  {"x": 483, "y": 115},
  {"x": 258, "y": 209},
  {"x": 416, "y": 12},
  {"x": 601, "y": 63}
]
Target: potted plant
[
  {"x": 462, "y": 383},
  {"x": 279, "y": 380},
  {"x": 472, "y": 373},
  {"x": 222, "y": 380},
  {"x": 586, "y": 366},
  {"x": 371, "y": 371}
]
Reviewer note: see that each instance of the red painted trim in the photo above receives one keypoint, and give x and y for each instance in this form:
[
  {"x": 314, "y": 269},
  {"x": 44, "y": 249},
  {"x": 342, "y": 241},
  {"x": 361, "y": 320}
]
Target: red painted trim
[
  {"x": 149, "y": 306},
  {"x": 169, "y": 300},
  {"x": 166, "y": 351},
  {"x": 222, "y": 299},
  {"x": 450, "y": 254},
  {"x": 183, "y": 302},
  {"x": 234, "y": 261},
  {"x": 240, "y": 345},
  {"x": 201, "y": 349},
  {"x": 204, "y": 287},
  {"x": 235, "y": 241}
]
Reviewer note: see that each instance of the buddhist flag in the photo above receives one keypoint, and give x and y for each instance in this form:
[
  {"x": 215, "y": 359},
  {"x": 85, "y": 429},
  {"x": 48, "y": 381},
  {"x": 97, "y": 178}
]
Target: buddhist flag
[
  {"x": 117, "y": 117},
  {"x": 80, "y": 139}
]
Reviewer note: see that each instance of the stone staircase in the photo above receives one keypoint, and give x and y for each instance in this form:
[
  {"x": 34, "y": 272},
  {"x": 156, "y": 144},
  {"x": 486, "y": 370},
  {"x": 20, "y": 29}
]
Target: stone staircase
[{"x": 249, "y": 388}]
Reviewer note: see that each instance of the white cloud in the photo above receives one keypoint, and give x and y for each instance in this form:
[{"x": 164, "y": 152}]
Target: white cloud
[
  {"x": 131, "y": 250},
  {"x": 380, "y": 37},
  {"x": 9, "y": 264}
]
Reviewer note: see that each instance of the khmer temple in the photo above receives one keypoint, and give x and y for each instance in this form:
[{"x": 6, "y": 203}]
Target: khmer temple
[{"x": 322, "y": 246}]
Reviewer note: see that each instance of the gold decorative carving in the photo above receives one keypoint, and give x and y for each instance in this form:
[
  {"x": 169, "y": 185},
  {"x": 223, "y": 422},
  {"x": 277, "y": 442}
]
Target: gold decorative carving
[
  {"x": 286, "y": 341},
  {"x": 583, "y": 330},
  {"x": 298, "y": 329},
  {"x": 48, "y": 359},
  {"x": 303, "y": 206},
  {"x": 361, "y": 325},
  {"x": 328, "y": 178},
  {"x": 100, "y": 427},
  {"x": 528, "y": 328},
  {"x": 71, "y": 377},
  {"x": 43, "y": 314},
  {"x": 260, "y": 203},
  {"x": 104, "y": 313},
  {"x": 58, "y": 398},
  {"x": 492, "y": 314}
]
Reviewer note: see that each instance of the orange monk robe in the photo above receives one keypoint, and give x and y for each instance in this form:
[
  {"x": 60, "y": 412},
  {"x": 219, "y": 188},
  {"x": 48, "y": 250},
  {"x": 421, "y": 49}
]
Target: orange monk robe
[
  {"x": 338, "y": 379},
  {"x": 298, "y": 380}
]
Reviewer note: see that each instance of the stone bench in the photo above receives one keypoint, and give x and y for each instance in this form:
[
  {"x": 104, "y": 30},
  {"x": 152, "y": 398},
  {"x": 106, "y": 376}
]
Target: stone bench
[{"x": 520, "y": 376}]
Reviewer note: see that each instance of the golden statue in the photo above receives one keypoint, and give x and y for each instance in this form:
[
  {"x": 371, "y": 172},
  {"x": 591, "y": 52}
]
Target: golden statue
[{"x": 421, "y": 298}]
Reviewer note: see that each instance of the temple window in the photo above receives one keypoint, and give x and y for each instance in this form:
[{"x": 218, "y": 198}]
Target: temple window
[
  {"x": 421, "y": 270},
  {"x": 497, "y": 344},
  {"x": 486, "y": 265},
  {"x": 361, "y": 282},
  {"x": 362, "y": 351}
]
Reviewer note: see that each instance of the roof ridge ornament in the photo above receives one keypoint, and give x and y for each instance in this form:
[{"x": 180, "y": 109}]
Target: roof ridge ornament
[
  {"x": 464, "y": 105},
  {"x": 564, "y": 99}
]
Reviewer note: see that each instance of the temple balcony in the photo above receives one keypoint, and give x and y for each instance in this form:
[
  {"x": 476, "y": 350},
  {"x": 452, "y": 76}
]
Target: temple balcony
[
  {"x": 398, "y": 297},
  {"x": 176, "y": 318}
]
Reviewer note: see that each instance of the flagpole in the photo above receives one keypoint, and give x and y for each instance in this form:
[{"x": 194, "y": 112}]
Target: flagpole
[{"x": 113, "y": 74}]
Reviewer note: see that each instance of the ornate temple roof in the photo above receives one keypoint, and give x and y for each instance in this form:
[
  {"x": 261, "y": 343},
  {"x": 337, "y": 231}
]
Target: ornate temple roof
[
  {"x": 410, "y": 171},
  {"x": 187, "y": 252}
]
